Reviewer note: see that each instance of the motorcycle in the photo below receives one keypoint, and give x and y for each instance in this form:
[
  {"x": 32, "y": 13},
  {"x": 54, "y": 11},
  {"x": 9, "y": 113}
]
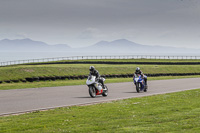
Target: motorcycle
[
  {"x": 96, "y": 88},
  {"x": 139, "y": 83}
]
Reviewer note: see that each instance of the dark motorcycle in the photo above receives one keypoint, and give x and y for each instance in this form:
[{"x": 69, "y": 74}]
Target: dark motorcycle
[{"x": 139, "y": 83}]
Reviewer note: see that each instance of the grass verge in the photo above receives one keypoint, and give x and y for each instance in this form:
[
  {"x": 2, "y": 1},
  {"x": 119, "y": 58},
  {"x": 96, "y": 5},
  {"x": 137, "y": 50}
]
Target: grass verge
[
  {"x": 174, "y": 112},
  {"x": 21, "y": 85},
  {"x": 21, "y": 72}
]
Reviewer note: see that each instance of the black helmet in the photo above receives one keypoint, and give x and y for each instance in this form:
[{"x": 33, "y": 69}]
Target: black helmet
[
  {"x": 92, "y": 68},
  {"x": 137, "y": 69}
]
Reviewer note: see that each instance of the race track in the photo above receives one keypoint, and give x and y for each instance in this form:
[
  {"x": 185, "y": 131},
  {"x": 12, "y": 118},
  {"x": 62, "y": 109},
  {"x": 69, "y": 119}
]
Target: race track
[{"x": 28, "y": 100}]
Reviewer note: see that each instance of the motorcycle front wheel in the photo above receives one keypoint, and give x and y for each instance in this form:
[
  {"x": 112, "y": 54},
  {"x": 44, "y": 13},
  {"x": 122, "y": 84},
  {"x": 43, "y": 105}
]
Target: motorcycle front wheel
[
  {"x": 137, "y": 87},
  {"x": 92, "y": 91}
]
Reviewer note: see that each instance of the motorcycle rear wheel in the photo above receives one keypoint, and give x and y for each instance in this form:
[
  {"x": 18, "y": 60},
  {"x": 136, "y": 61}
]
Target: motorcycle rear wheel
[
  {"x": 105, "y": 93},
  {"x": 145, "y": 88},
  {"x": 92, "y": 91}
]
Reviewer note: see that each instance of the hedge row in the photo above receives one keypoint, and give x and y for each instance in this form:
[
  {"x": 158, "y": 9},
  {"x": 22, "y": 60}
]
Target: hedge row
[
  {"x": 110, "y": 62},
  {"x": 53, "y": 78}
]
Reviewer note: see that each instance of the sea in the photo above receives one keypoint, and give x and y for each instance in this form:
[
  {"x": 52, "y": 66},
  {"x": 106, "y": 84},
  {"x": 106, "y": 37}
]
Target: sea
[{"x": 14, "y": 56}]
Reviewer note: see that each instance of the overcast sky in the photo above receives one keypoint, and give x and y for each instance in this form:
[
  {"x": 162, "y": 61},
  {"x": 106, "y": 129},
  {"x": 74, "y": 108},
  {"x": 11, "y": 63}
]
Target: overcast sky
[{"x": 81, "y": 23}]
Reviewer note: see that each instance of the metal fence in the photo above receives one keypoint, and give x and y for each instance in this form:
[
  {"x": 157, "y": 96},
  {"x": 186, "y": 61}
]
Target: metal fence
[{"x": 7, "y": 63}]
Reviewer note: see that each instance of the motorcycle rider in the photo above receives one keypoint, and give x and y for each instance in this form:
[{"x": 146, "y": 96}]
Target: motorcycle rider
[
  {"x": 94, "y": 72},
  {"x": 138, "y": 71}
]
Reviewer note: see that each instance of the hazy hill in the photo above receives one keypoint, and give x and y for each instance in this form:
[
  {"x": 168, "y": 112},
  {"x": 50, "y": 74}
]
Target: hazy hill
[
  {"x": 126, "y": 46},
  {"x": 121, "y": 43},
  {"x": 121, "y": 46},
  {"x": 30, "y": 45}
]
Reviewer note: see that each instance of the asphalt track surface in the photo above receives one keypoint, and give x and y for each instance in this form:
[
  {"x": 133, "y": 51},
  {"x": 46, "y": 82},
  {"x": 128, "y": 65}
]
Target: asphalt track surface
[{"x": 28, "y": 100}]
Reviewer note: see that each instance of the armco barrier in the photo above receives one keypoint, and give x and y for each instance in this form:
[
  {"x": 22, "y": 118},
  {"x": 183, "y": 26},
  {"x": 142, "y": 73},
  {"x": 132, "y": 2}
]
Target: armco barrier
[
  {"x": 53, "y": 78},
  {"x": 113, "y": 63},
  {"x": 7, "y": 63}
]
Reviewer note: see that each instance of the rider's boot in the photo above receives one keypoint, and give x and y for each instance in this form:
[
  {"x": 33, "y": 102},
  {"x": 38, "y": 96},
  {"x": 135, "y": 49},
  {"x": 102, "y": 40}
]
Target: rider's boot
[{"x": 103, "y": 86}]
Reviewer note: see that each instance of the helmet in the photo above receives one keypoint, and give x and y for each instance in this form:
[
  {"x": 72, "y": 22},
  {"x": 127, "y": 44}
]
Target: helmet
[
  {"x": 92, "y": 68},
  {"x": 137, "y": 69}
]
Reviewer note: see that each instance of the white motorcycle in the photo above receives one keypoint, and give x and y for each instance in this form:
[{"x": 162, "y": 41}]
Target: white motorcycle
[{"x": 96, "y": 88}]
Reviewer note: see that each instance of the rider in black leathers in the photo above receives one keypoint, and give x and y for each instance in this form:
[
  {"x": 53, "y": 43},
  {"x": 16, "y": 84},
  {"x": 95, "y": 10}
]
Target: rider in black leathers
[{"x": 94, "y": 72}]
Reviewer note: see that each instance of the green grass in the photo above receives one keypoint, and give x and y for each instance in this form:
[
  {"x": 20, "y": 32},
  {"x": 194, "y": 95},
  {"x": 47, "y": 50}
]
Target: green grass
[
  {"x": 7, "y": 86},
  {"x": 23, "y": 71},
  {"x": 175, "y": 112},
  {"x": 20, "y": 72}
]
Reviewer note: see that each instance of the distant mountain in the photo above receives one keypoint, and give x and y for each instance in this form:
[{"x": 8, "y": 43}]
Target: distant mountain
[
  {"x": 30, "y": 45},
  {"x": 121, "y": 46},
  {"x": 117, "y": 44},
  {"x": 121, "y": 43},
  {"x": 126, "y": 46}
]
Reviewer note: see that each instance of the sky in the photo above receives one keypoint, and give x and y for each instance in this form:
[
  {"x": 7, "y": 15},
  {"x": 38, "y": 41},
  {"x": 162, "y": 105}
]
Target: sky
[{"x": 81, "y": 23}]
